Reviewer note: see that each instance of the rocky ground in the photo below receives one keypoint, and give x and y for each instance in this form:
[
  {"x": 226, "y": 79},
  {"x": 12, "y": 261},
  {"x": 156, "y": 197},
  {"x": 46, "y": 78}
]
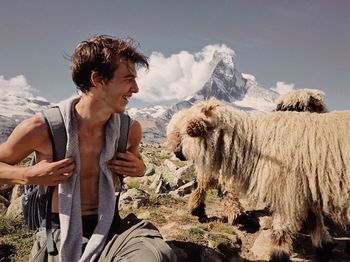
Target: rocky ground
[{"x": 161, "y": 197}]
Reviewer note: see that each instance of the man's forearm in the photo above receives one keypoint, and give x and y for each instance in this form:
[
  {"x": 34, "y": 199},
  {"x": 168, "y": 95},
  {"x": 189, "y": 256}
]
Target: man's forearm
[{"x": 12, "y": 174}]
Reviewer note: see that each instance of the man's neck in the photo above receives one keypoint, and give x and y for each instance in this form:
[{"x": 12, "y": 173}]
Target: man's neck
[{"x": 91, "y": 114}]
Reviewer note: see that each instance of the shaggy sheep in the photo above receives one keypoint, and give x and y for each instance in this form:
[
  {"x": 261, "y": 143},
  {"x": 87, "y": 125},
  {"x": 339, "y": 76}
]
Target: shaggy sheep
[
  {"x": 295, "y": 163},
  {"x": 302, "y": 100},
  {"x": 196, "y": 202},
  {"x": 310, "y": 100}
]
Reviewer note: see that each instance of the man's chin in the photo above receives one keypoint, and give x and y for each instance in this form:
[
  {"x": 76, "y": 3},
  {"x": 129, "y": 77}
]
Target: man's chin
[{"x": 120, "y": 109}]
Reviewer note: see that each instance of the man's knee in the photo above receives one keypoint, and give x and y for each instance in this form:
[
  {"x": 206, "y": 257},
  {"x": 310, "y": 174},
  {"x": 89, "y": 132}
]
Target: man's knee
[{"x": 158, "y": 250}]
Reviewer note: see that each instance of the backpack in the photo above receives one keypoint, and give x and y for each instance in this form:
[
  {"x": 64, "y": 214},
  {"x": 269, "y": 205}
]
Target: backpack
[{"x": 36, "y": 202}]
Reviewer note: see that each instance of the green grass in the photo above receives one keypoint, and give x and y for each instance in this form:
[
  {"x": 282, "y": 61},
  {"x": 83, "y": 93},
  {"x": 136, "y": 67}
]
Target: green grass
[
  {"x": 194, "y": 235},
  {"x": 218, "y": 239},
  {"x": 165, "y": 200},
  {"x": 16, "y": 240}
]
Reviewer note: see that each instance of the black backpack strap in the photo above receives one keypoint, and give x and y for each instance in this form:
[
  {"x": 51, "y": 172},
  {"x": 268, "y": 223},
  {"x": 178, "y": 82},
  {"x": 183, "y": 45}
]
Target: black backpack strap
[
  {"x": 123, "y": 137},
  {"x": 124, "y": 133},
  {"x": 121, "y": 147},
  {"x": 58, "y": 136}
]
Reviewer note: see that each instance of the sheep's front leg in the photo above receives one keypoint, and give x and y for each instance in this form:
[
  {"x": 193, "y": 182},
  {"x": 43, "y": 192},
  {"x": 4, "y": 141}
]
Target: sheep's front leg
[
  {"x": 281, "y": 240},
  {"x": 232, "y": 207},
  {"x": 196, "y": 203}
]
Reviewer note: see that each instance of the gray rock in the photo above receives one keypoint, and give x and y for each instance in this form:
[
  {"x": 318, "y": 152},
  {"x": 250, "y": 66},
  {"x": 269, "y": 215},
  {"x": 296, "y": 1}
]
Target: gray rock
[
  {"x": 156, "y": 181},
  {"x": 173, "y": 180},
  {"x": 261, "y": 246},
  {"x": 134, "y": 198},
  {"x": 150, "y": 169},
  {"x": 162, "y": 187},
  {"x": 17, "y": 192},
  {"x": 185, "y": 189},
  {"x": 186, "y": 173},
  {"x": 170, "y": 165},
  {"x": 15, "y": 208}
]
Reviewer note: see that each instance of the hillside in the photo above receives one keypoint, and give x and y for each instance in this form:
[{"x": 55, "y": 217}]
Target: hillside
[{"x": 161, "y": 196}]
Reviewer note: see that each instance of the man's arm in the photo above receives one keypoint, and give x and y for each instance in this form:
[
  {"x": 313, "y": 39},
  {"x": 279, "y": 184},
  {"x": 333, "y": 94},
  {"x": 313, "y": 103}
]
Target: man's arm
[
  {"x": 130, "y": 163},
  {"x": 31, "y": 135}
]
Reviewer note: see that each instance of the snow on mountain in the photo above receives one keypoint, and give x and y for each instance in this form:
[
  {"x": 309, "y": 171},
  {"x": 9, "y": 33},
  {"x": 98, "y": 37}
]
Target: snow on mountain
[
  {"x": 225, "y": 83},
  {"x": 17, "y": 103},
  {"x": 228, "y": 85},
  {"x": 256, "y": 96},
  {"x": 153, "y": 111},
  {"x": 13, "y": 105},
  {"x": 15, "y": 108},
  {"x": 17, "y": 98}
]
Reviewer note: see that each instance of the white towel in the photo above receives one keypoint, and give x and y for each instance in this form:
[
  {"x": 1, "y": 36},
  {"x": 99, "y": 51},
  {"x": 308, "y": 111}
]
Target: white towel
[{"x": 69, "y": 192}]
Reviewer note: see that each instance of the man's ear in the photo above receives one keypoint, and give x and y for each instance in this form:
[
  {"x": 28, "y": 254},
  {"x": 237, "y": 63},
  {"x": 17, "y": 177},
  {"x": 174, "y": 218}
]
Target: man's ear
[
  {"x": 196, "y": 128},
  {"x": 96, "y": 79}
]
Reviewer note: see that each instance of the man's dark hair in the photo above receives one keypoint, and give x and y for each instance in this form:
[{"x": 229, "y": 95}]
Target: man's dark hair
[{"x": 101, "y": 54}]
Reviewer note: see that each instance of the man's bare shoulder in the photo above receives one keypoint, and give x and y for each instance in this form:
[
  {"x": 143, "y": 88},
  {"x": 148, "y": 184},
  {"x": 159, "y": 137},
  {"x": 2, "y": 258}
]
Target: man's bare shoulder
[
  {"x": 33, "y": 127},
  {"x": 135, "y": 137},
  {"x": 135, "y": 132},
  {"x": 30, "y": 135}
]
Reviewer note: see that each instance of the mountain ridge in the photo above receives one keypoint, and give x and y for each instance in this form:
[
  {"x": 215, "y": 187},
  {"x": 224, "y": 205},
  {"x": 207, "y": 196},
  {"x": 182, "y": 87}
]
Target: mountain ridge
[{"x": 225, "y": 83}]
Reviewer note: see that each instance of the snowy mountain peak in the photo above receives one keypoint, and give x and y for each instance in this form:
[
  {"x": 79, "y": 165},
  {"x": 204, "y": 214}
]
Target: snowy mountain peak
[
  {"x": 225, "y": 82},
  {"x": 249, "y": 78},
  {"x": 224, "y": 57}
]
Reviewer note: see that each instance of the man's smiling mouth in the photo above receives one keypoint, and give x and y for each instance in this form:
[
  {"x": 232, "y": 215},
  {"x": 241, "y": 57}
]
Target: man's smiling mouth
[{"x": 127, "y": 98}]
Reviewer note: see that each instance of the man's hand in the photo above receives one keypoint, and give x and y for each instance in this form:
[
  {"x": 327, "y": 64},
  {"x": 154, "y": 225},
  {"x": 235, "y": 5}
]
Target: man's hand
[
  {"x": 46, "y": 173},
  {"x": 127, "y": 164}
]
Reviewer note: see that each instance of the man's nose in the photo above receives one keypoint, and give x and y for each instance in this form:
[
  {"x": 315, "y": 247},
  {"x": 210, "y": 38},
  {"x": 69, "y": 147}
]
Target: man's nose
[{"x": 135, "y": 87}]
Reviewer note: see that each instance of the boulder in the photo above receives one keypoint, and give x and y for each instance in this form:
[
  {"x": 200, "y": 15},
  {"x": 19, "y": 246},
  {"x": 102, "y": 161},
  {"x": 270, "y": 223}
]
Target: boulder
[
  {"x": 133, "y": 198},
  {"x": 15, "y": 208},
  {"x": 261, "y": 246}
]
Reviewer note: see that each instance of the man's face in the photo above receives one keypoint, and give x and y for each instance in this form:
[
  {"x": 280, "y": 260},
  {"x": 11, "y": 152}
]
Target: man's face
[{"x": 120, "y": 88}]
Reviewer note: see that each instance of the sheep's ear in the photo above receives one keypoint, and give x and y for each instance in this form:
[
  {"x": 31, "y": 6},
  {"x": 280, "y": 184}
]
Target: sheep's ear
[
  {"x": 208, "y": 108},
  {"x": 196, "y": 128}
]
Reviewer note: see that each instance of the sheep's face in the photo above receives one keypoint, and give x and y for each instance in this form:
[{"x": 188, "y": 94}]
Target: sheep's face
[
  {"x": 174, "y": 136},
  {"x": 302, "y": 100},
  {"x": 188, "y": 126}
]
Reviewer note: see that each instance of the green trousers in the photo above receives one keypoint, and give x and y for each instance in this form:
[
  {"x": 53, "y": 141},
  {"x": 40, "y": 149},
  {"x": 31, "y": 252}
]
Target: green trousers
[{"x": 131, "y": 239}]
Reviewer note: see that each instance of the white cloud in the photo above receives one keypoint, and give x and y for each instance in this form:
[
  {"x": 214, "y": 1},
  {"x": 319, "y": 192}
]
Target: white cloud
[
  {"x": 17, "y": 86},
  {"x": 283, "y": 88},
  {"x": 178, "y": 75}
]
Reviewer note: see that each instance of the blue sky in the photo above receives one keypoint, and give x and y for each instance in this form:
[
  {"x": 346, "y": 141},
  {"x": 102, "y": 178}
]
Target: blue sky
[{"x": 302, "y": 43}]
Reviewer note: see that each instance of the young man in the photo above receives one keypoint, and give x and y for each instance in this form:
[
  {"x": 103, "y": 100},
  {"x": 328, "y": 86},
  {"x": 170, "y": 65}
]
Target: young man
[{"x": 104, "y": 70}]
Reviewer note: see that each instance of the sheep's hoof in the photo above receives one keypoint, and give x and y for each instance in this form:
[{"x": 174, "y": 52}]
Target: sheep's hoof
[
  {"x": 325, "y": 253},
  {"x": 199, "y": 212},
  {"x": 279, "y": 256},
  {"x": 248, "y": 222}
]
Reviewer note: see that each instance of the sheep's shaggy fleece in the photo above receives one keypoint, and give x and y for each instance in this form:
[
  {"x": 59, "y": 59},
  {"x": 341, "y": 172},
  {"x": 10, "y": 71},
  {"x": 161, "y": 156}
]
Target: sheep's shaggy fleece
[
  {"x": 302, "y": 100},
  {"x": 293, "y": 162}
]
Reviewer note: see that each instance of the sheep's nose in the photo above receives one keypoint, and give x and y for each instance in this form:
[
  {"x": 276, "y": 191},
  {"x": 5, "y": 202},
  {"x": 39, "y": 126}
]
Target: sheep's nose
[{"x": 179, "y": 155}]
